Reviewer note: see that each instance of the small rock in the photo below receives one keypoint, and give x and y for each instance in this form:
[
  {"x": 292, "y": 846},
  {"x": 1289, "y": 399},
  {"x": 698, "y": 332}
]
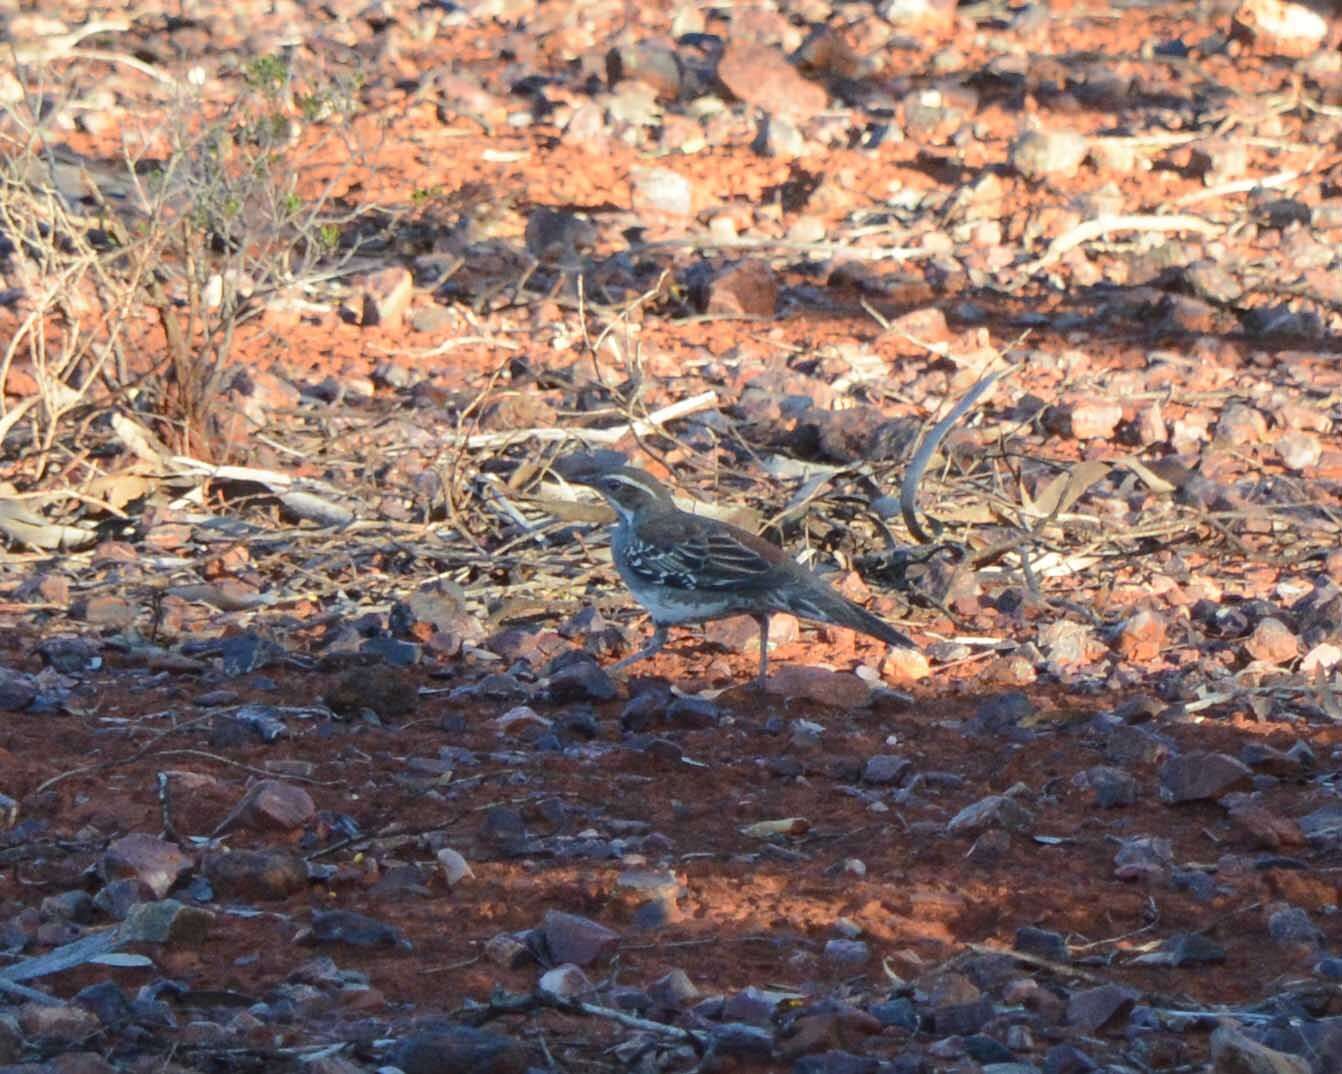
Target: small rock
[
  {"x": 522, "y": 721},
  {"x": 847, "y": 955},
  {"x": 936, "y": 16},
  {"x": 1273, "y": 642},
  {"x": 1291, "y": 925},
  {"x": 106, "y": 1000},
  {"x": 355, "y": 929},
  {"x": 570, "y": 938},
  {"x": 900, "y": 1013},
  {"x": 1001, "y": 712},
  {"x": 1280, "y": 27},
  {"x": 1112, "y": 787},
  {"x": 995, "y": 811},
  {"x": 273, "y": 805},
  {"x": 108, "y": 610},
  {"x": 780, "y": 138},
  {"x": 1195, "y": 777},
  {"x": 1094, "y": 1008},
  {"x": 1321, "y": 659},
  {"x": 693, "y": 713},
  {"x": 581, "y": 680},
  {"x": 255, "y": 874},
  {"x": 762, "y": 76},
  {"x": 1267, "y": 829},
  {"x": 1067, "y": 1059},
  {"x": 384, "y": 691},
  {"x": 957, "y": 1019},
  {"x": 455, "y": 867},
  {"x": 1299, "y": 450},
  {"x": 1042, "y": 942},
  {"x": 836, "y": 689},
  {"x": 17, "y": 690},
  {"x": 460, "y": 1049},
  {"x": 885, "y": 769},
  {"x": 660, "y": 192},
  {"x": 566, "y": 982},
  {"x": 747, "y": 289},
  {"x": 1142, "y": 637},
  {"x": 1241, "y": 425},
  {"x": 154, "y": 863},
  {"x": 57, "y": 1023},
  {"x": 509, "y": 950},
  {"x": 901, "y": 665},
  {"x": 1049, "y": 154},
  {"x": 674, "y": 991},
  {"x": 1143, "y": 857},
  {"x": 1184, "y": 949},
  {"x": 385, "y": 295},
  {"x": 1234, "y": 1053}
]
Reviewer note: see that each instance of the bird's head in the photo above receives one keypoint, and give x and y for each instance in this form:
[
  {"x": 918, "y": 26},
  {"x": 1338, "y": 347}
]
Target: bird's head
[{"x": 626, "y": 489}]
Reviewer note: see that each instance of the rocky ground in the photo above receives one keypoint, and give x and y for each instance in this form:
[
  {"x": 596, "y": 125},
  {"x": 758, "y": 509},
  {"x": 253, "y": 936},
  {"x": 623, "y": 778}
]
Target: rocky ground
[{"x": 310, "y": 757}]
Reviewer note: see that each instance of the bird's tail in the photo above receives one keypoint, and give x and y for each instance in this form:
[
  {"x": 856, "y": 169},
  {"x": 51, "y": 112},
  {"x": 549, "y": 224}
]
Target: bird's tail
[{"x": 827, "y": 606}]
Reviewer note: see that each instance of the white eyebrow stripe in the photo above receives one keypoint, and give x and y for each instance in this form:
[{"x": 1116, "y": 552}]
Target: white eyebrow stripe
[{"x": 655, "y": 491}]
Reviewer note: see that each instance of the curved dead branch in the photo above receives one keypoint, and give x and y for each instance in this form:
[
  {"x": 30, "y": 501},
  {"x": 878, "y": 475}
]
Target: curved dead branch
[{"x": 908, "y": 491}]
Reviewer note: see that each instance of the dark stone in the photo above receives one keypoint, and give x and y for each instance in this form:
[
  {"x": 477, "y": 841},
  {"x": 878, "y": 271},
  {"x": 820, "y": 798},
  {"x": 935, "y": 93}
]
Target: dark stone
[
  {"x": 1042, "y": 942},
  {"x": 1001, "y": 712},
  {"x": 959, "y": 1019},
  {"x": 107, "y": 1001},
  {"x": 693, "y": 713},
  {"x": 899, "y": 1012},
  {"x": 1067, "y": 1059},
  {"x": 745, "y": 1041},
  {"x": 392, "y": 651},
  {"x": 358, "y": 930},
  {"x": 1094, "y": 1008},
  {"x": 245, "y": 653},
  {"x": 642, "y": 711},
  {"x": 1112, "y": 787},
  {"x": 836, "y": 1063},
  {"x": 581, "y": 680},
  {"x": 460, "y": 1050},
  {"x": 983, "y": 1049},
  {"x": 885, "y": 769}
]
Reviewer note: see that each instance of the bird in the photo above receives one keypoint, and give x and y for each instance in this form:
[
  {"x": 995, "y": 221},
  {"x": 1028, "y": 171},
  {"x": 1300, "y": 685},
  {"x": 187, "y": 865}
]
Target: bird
[{"x": 686, "y": 568}]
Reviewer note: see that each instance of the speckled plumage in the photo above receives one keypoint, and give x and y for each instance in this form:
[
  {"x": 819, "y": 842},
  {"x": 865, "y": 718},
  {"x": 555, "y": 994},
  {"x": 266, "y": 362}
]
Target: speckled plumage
[{"x": 686, "y": 568}]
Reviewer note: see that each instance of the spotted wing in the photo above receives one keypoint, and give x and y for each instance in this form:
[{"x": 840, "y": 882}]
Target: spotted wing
[{"x": 708, "y": 559}]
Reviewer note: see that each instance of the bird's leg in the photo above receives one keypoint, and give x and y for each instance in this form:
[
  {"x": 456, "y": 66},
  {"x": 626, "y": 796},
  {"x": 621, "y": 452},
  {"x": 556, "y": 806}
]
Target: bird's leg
[
  {"x": 763, "y": 621},
  {"x": 654, "y": 645}
]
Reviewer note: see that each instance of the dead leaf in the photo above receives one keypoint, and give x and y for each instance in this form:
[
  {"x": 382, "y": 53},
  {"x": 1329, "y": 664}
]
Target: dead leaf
[{"x": 25, "y": 526}]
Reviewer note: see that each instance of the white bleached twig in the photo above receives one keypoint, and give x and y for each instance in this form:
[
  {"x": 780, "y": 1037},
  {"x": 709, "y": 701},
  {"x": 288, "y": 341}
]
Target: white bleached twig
[{"x": 642, "y": 427}]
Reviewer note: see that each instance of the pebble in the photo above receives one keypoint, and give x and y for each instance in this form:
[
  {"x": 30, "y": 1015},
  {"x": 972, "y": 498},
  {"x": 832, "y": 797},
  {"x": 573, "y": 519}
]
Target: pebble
[
  {"x": 263, "y": 874},
  {"x": 746, "y": 289},
  {"x": 273, "y": 805},
  {"x": 566, "y": 982},
  {"x": 355, "y": 929},
  {"x": 155, "y": 863},
  {"x": 995, "y": 811},
  {"x": 761, "y": 75},
  {"x": 885, "y": 769},
  {"x": 1298, "y": 450},
  {"x": 1092, "y": 1009},
  {"x": 1112, "y": 787},
  {"x": 1142, "y": 637},
  {"x": 1194, "y": 777},
  {"x": 1049, "y": 154},
  {"x": 459, "y": 1049},
  {"x": 570, "y": 938},
  {"x": 1272, "y": 642}
]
